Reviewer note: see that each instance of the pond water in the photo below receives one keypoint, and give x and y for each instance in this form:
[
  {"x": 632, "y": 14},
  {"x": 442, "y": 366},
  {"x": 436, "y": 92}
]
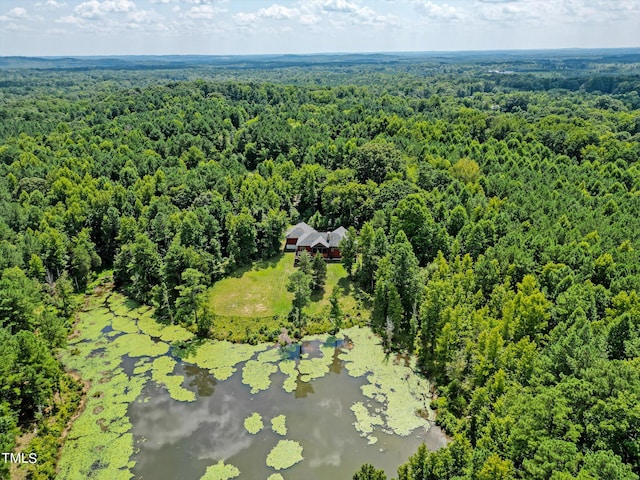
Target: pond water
[
  {"x": 335, "y": 403},
  {"x": 180, "y": 439}
]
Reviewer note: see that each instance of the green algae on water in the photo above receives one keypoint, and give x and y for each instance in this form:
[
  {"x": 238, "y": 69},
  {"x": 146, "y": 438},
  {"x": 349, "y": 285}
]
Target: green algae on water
[
  {"x": 142, "y": 366},
  {"x": 397, "y": 387},
  {"x": 92, "y": 322},
  {"x": 288, "y": 367},
  {"x": 117, "y": 305},
  {"x": 279, "y": 425},
  {"x": 220, "y": 471},
  {"x": 285, "y": 454},
  {"x": 124, "y": 324},
  {"x": 366, "y": 352},
  {"x": 272, "y": 355},
  {"x": 166, "y": 333},
  {"x": 221, "y": 358},
  {"x": 110, "y": 455},
  {"x": 314, "y": 368},
  {"x": 257, "y": 375},
  {"x": 101, "y": 435},
  {"x": 253, "y": 423},
  {"x": 175, "y": 333},
  {"x": 137, "y": 345},
  {"x": 100, "y": 442},
  {"x": 161, "y": 373},
  {"x": 148, "y": 325},
  {"x": 364, "y": 420}
]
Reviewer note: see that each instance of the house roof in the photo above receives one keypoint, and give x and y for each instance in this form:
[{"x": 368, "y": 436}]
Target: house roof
[
  {"x": 326, "y": 239},
  {"x": 299, "y": 230},
  {"x": 312, "y": 238},
  {"x": 320, "y": 241},
  {"x": 336, "y": 236}
]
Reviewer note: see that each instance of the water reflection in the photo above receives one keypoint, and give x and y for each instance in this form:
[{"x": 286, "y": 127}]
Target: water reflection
[
  {"x": 337, "y": 364},
  {"x": 166, "y": 422},
  {"x": 180, "y": 439},
  {"x": 303, "y": 389},
  {"x": 128, "y": 364},
  {"x": 200, "y": 380},
  {"x": 435, "y": 439}
]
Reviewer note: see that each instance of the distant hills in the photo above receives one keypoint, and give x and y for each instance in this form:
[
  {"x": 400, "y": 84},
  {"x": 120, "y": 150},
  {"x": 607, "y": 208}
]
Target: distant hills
[{"x": 143, "y": 62}]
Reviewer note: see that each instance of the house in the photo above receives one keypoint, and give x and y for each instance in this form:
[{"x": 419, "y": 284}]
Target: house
[
  {"x": 303, "y": 237},
  {"x": 294, "y": 234}
]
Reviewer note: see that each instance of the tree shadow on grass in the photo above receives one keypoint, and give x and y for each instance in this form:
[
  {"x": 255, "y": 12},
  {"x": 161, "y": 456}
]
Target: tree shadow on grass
[
  {"x": 346, "y": 285},
  {"x": 317, "y": 295},
  {"x": 240, "y": 271},
  {"x": 271, "y": 262},
  {"x": 262, "y": 264}
]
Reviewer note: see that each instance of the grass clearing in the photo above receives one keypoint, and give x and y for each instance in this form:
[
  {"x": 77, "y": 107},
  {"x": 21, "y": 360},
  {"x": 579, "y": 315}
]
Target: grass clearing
[
  {"x": 258, "y": 290},
  {"x": 254, "y": 301}
]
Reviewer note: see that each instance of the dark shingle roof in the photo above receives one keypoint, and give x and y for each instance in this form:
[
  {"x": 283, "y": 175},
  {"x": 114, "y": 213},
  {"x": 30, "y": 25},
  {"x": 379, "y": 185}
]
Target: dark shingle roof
[
  {"x": 313, "y": 238},
  {"x": 299, "y": 230},
  {"x": 308, "y": 237},
  {"x": 336, "y": 236}
]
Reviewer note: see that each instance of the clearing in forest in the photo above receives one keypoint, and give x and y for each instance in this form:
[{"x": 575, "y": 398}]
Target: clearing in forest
[{"x": 260, "y": 290}]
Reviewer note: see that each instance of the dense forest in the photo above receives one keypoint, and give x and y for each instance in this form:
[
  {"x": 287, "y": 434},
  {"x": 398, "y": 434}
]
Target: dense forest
[{"x": 492, "y": 204}]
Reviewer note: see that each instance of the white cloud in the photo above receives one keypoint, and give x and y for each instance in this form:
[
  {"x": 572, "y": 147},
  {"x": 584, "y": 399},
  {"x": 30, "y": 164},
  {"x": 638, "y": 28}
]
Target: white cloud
[
  {"x": 278, "y": 12},
  {"x": 545, "y": 12},
  {"x": 341, "y": 6},
  {"x": 14, "y": 14},
  {"x": 201, "y": 12},
  {"x": 114, "y": 16},
  {"x": 95, "y": 9},
  {"x": 274, "y": 12},
  {"x": 141, "y": 16},
  {"x": 14, "y": 27},
  {"x": 338, "y": 13},
  {"x": 367, "y": 16},
  {"x": 511, "y": 12},
  {"x": 244, "y": 18},
  {"x": 326, "y": 25},
  {"x": 599, "y": 10},
  {"x": 342, "y": 13},
  {"x": 307, "y": 19},
  {"x": 439, "y": 12},
  {"x": 54, "y": 4},
  {"x": 70, "y": 20},
  {"x": 204, "y": 2}
]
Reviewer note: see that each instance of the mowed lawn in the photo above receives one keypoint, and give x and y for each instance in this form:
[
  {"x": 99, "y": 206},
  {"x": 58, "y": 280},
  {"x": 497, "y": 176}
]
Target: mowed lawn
[{"x": 260, "y": 290}]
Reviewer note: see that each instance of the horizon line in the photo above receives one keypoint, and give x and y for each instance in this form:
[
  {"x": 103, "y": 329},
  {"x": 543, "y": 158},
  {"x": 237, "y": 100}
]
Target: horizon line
[{"x": 328, "y": 53}]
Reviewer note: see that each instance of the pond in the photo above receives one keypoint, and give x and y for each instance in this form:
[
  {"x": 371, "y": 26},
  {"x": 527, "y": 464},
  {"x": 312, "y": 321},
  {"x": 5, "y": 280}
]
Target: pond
[{"x": 238, "y": 411}]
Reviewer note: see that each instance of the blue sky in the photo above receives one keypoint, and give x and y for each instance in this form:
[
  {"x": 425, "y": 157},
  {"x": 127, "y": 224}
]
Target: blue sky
[{"x": 111, "y": 27}]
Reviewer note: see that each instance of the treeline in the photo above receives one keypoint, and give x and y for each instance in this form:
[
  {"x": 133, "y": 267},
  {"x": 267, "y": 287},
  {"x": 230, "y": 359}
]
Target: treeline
[{"x": 495, "y": 233}]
